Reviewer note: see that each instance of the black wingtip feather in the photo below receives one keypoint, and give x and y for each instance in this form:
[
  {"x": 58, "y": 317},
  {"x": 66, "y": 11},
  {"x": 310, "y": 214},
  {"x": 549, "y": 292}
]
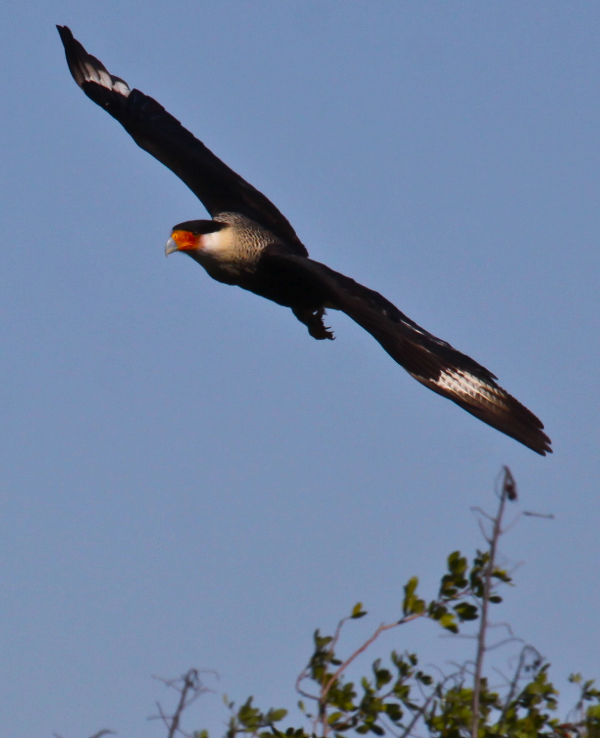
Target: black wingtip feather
[{"x": 92, "y": 76}]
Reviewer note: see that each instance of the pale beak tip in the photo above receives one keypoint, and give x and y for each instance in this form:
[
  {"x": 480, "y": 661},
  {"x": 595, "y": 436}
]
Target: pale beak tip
[{"x": 171, "y": 246}]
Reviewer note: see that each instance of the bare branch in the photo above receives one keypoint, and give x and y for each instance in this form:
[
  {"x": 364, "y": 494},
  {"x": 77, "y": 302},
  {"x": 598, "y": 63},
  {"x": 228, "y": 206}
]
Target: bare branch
[
  {"x": 502, "y": 625},
  {"x": 419, "y": 714},
  {"x": 527, "y": 653},
  {"x": 382, "y": 628},
  {"x": 301, "y": 677},
  {"x": 512, "y": 639},
  {"x": 99, "y": 734},
  {"x": 482, "y": 512},
  {"x": 190, "y": 688},
  {"x": 507, "y": 491}
]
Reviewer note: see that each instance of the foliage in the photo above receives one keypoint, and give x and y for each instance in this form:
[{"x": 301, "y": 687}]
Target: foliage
[
  {"x": 401, "y": 699},
  {"x": 398, "y": 697}
]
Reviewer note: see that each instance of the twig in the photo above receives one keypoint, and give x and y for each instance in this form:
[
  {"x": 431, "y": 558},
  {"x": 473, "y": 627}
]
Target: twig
[
  {"x": 190, "y": 681},
  {"x": 326, "y": 688},
  {"x": 190, "y": 688},
  {"x": 526, "y": 652},
  {"x": 99, "y": 734},
  {"x": 420, "y": 712},
  {"x": 508, "y": 491},
  {"x": 306, "y": 672},
  {"x": 383, "y": 627},
  {"x": 512, "y": 639}
]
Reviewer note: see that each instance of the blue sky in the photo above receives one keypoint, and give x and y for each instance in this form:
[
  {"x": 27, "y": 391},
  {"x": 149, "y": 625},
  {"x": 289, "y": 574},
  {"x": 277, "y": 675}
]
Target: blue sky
[{"x": 187, "y": 479}]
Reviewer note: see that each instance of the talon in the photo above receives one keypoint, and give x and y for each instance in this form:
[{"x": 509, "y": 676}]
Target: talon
[
  {"x": 313, "y": 320},
  {"x": 320, "y": 332}
]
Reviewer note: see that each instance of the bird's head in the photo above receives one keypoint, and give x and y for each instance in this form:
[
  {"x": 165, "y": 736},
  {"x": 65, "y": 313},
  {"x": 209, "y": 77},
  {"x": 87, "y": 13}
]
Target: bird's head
[{"x": 193, "y": 236}]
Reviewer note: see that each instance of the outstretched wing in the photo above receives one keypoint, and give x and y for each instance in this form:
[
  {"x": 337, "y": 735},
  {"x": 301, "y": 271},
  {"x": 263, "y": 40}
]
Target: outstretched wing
[
  {"x": 218, "y": 187},
  {"x": 428, "y": 359}
]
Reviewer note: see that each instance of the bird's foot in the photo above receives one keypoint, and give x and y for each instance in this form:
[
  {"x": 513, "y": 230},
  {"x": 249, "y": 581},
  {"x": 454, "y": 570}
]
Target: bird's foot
[
  {"x": 313, "y": 320},
  {"x": 321, "y": 332}
]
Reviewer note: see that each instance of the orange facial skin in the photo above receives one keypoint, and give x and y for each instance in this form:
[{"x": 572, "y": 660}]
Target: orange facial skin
[{"x": 186, "y": 240}]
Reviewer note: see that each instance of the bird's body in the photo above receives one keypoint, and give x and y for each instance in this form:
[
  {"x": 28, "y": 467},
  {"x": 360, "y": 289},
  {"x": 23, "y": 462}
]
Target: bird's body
[{"x": 249, "y": 243}]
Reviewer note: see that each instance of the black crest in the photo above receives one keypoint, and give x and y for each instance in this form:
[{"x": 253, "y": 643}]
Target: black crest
[{"x": 200, "y": 227}]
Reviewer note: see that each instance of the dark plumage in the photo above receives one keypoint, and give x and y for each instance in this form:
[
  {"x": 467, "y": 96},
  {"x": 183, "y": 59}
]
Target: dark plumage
[{"x": 249, "y": 243}]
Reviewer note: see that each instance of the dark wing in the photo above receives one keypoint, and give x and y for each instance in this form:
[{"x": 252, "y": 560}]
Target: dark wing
[
  {"x": 428, "y": 359},
  {"x": 218, "y": 187}
]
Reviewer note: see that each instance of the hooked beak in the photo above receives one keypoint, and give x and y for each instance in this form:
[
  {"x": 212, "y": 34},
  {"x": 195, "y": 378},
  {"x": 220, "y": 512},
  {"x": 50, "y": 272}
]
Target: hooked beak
[
  {"x": 171, "y": 246},
  {"x": 182, "y": 241}
]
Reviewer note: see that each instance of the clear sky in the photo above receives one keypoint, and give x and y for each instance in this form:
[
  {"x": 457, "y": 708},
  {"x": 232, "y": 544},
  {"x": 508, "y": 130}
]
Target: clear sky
[{"x": 187, "y": 478}]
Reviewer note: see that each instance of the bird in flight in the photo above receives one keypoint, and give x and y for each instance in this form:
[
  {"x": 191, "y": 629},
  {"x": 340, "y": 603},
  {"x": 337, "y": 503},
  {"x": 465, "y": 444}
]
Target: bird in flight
[{"x": 249, "y": 243}]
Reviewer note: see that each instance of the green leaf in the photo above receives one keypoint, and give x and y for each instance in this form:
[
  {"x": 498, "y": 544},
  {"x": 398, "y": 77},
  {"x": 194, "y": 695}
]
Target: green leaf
[
  {"x": 423, "y": 678},
  {"x": 412, "y": 605},
  {"x": 466, "y": 611},
  {"x": 357, "y": 611},
  {"x": 393, "y": 711},
  {"x": 448, "y": 621},
  {"x": 334, "y": 717},
  {"x": 454, "y": 561},
  {"x": 436, "y": 611},
  {"x": 382, "y": 677},
  {"x": 502, "y": 575},
  {"x": 274, "y": 716},
  {"x": 409, "y": 595},
  {"x": 411, "y": 586}
]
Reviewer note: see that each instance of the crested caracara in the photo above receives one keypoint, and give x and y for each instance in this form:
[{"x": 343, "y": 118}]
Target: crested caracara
[{"x": 249, "y": 243}]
